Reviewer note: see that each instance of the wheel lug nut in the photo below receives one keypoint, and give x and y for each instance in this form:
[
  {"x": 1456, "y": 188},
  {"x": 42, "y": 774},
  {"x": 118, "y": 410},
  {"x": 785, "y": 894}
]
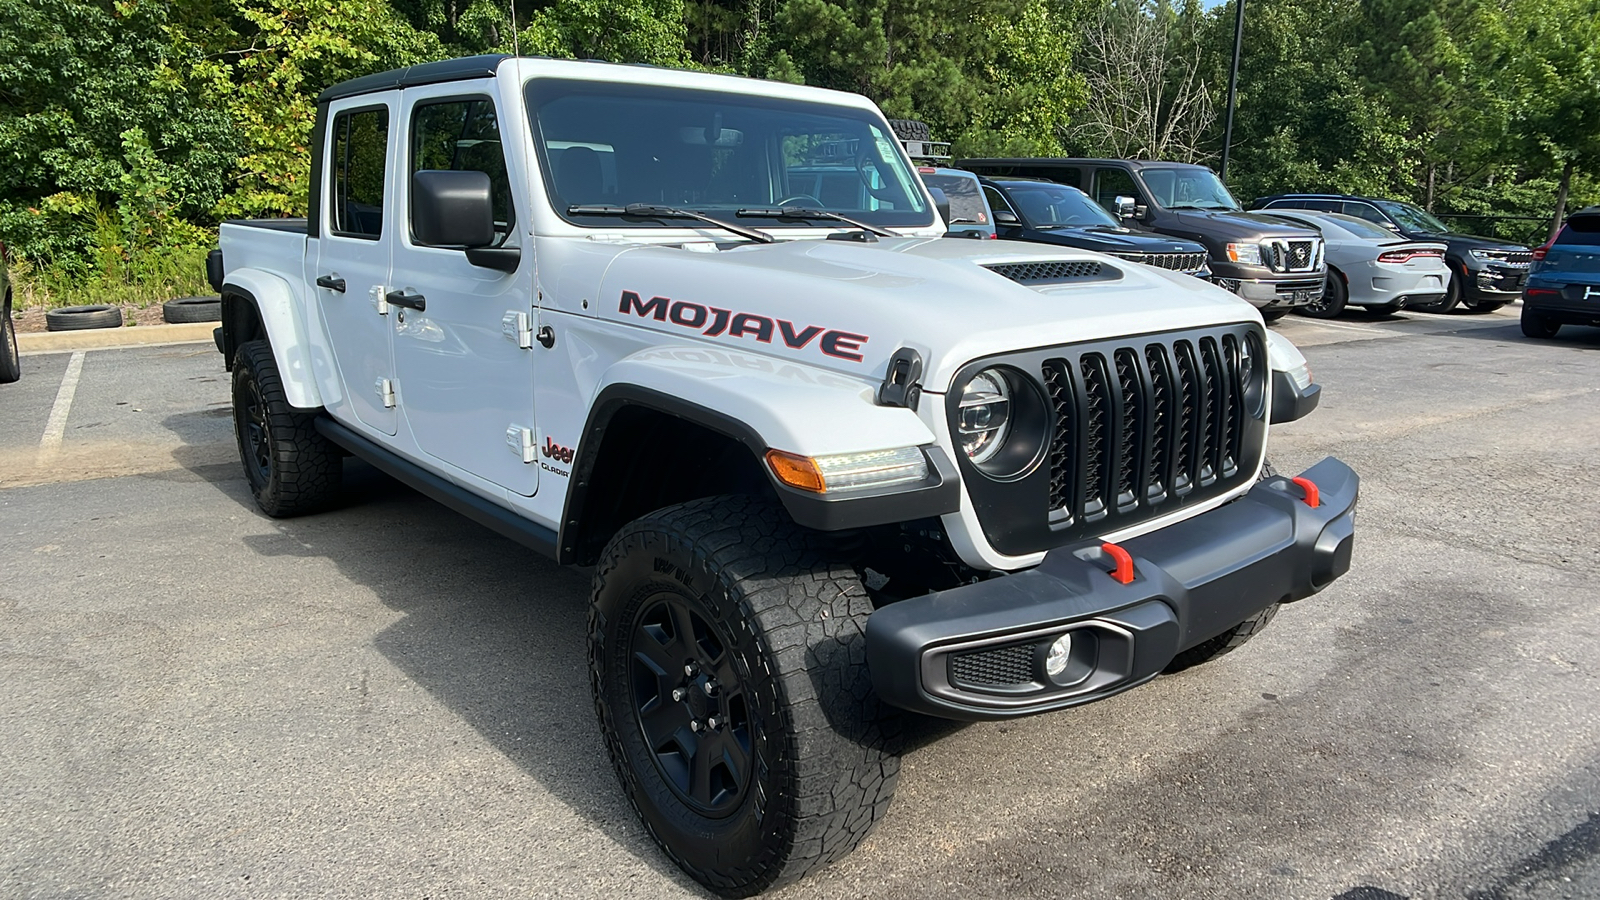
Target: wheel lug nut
[
  {"x": 691, "y": 668},
  {"x": 678, "y": 694},
  {"x": 713, "y": 724},
  {"x": 710, "y": 687},
  {"x": 695, "y": 726}
]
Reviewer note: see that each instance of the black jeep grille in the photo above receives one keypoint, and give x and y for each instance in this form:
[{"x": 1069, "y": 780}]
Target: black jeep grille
[
  {"x": 1178, "y": 262},
  {"x": 1138, "y": 428},
  {"x": 1005, "y": 667},
  {"x": 1055, "y": 272}
]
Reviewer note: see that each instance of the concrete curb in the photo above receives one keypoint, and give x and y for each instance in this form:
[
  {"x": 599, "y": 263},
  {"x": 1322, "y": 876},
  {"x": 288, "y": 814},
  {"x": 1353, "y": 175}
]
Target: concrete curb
[{"x": 106, "y": 338}]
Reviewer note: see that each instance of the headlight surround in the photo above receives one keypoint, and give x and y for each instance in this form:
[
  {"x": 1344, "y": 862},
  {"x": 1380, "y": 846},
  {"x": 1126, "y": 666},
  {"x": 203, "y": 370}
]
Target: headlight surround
[
  {"x": 1253, "y": 373},
  {"x": 1245, "y": 254},
  {"x": 1484, "y": 254},
  {"x": 983, "y": 415}
]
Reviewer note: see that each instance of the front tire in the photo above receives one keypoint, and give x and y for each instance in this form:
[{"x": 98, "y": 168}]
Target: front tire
[
  {"x": 1334, "y": 297},
  {"x": 786, "y": 761},
  {"x": 292, "y": 469}
]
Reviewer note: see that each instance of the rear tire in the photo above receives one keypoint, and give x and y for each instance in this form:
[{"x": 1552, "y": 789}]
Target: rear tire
[
  {"x": 1538, "y": 326},
  {"x": 1332, "y": 302},
  {"x": 291, "y": 468},
  {"x": 800, "y": 762}
]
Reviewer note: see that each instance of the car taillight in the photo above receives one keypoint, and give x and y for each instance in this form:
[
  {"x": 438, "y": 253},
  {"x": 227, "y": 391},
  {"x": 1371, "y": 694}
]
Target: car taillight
[
  {"x": 1539, "y": 252},
  {"x": 1543, "y": 292},
  {"x": 1400, "y": 256},
  {"x": 994, "y": 235}
]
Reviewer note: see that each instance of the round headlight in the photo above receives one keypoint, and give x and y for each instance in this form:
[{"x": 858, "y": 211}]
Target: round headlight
[
  {"x": 1253, "y": 375},
  {"x": 983, "y": 417}
]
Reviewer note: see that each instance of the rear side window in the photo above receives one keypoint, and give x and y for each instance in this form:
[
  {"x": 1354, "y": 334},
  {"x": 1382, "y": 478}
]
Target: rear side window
[
  {"x": 1583, "y": 230},
  {"x": 1365, "y": 211},
  {"x": 359, "y": 165},
  {"x": 966, "y": 201},
  {"x": 463, "y": 135}
]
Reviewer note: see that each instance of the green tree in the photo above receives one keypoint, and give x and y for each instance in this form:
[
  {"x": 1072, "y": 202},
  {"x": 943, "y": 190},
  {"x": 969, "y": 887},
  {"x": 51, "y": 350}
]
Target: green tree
[{"x": 1556, "y": 68}]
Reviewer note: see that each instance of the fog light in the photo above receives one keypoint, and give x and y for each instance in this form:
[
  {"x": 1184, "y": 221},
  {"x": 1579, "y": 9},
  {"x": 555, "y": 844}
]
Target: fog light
[{"x": 1060, "y": 655}]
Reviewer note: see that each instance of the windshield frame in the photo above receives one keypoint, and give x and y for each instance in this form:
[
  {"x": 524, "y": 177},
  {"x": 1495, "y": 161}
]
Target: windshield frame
[
  {"x": 539, "y": 92},
  {"x": 1178, "y": 171},
  {"x": 1399, "y": 210}
]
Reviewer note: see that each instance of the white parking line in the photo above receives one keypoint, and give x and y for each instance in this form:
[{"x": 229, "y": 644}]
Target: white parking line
[
  {"x": 1321, "y": 323},
  {"x": 56, "y": 428}
]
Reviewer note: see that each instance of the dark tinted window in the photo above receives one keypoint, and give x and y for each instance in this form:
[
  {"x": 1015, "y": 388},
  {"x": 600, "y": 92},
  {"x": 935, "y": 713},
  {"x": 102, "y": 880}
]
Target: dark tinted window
[
  {"x": 966, "y": 202},
  {"x": 1062, "y": 174},
  {"x": 1047, "y": 205},
  {"x": 1333, "y": 206},
  {"x": 358, "y": 163},
  {"x": 997, "y": 202},
  {"x": 1580, "y": 230},
  {"x": 1109, "y": 184},
  {"x": 1365, "y": 211},
  {"x": 464, "y": 135}
]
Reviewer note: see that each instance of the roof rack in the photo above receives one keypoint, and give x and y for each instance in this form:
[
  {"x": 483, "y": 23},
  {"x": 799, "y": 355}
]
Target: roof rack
[{"x": 933, "y": 151}]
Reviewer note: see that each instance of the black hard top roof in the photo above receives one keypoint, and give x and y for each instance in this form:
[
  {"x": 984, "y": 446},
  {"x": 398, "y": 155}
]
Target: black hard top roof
[
  {"x": 1303, "y": 195},
  {"x": 1074, "y": 161},
  {"x": 414, "y": 76}
]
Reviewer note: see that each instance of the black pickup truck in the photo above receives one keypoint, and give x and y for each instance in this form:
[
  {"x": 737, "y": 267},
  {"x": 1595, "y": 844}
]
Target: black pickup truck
[{"x": 1275, "y": 266}]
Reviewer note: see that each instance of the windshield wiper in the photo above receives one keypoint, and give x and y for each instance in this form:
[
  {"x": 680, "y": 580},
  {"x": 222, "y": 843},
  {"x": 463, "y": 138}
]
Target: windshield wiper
[
  {"x": 1214, "y": 208},
  {"x": 803, "y": 212},
  {"x": 648, "y": 211}
]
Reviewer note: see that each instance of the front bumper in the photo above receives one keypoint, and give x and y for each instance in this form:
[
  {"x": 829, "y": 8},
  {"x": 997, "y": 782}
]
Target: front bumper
[
  {"x": 1495, "y": 282},
  {"x": 1284, "y": 293},
  {"x": 978, "y": 651}
]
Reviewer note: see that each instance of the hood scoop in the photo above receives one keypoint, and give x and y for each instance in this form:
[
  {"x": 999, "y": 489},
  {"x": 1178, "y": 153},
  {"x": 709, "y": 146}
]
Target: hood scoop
[{"x": 1066, "y": 271}]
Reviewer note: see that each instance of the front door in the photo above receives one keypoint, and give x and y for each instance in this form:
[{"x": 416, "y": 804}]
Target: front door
[
  {"x": 352, "y": 260},
  {"x": 465, "y": 376}
]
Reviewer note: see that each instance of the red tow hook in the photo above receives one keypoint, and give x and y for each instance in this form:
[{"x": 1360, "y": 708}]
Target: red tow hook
[
  {"x": 1123, "y": 573},
  {"x": 1313, "y": 497}
]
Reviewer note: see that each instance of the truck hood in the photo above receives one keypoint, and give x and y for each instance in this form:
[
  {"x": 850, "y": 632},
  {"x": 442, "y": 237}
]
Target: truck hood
[
  {"x": 1236, "y": 226},
  {"x": 847, "y": 306}
]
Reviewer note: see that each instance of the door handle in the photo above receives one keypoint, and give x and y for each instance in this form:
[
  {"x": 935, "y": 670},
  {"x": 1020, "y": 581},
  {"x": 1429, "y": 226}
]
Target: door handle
[
  {"x": 331, "y": 283},
  {"x": 409, "y": 301}
]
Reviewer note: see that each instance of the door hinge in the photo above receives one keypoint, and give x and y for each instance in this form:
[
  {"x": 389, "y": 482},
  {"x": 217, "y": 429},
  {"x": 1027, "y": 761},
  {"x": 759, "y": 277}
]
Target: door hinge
[
  {"x": 520, "y": 440},
  {"x": 378, "y": 295},
  {"x": 385, "y": 389},
  {"x": 516, "y": 326}
]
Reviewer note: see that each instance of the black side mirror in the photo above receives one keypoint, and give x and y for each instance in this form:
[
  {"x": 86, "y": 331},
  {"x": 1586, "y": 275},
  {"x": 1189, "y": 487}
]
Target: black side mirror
[
  {"x": 1006, "y": 218},
  {"x": 942, "y": 204},
  {"x": 452, "y": 209}
]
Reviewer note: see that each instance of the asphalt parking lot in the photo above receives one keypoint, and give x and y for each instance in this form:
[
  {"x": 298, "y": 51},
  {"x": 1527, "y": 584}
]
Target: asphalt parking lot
[{"x": 386, "y": 700}]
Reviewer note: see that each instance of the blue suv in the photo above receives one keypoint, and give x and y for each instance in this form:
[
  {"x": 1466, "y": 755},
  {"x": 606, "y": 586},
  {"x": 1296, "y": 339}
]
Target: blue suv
[{"x": 1564, "y": 282}]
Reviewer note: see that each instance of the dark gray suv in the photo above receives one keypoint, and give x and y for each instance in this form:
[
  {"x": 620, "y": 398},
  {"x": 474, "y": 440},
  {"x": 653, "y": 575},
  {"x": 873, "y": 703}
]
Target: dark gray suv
[{"x": 1274, "y": 265}]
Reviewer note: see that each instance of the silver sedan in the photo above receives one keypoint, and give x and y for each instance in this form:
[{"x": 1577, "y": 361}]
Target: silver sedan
[{"x": 1370, "y": 266}]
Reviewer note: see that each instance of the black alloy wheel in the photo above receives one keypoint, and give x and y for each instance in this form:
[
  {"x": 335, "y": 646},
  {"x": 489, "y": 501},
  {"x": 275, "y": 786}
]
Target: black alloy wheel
[
  {"x": 689, "y": 698},
  {"x": 1331, "y": 303},
  {"x": 290, "y": 467}
]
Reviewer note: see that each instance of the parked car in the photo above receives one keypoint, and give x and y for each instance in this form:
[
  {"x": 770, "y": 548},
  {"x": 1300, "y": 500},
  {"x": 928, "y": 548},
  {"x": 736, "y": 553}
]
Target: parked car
[
  {"x": 824, "y": 467},
  {"x": 1371, "y": 266},
  {"x": 970, "y": 215},
  {"x": 10, "y": 359},
  {"x": 1274, "y": 265},
  {"x": 1486, "y": 272},
  {"x": 1044, "y": 212},
  {"x": 1564, "y": 282}
]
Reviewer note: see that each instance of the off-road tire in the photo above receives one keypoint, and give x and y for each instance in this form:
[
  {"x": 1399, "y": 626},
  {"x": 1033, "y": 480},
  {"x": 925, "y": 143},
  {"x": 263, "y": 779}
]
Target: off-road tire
[
  {"x": 10, "y": 359},
  {"x": 1224, "y": 643},
  {"x": 1334, "y": 297},
  {"x": 911, "y": 130},
  {"x": 290, "y": 467},
  {"x": 787, "y": 619},
  {"x": 81, "y": 318},
  {"x": 192, "y": 309},
  {"x": 1536, "y": 325}
]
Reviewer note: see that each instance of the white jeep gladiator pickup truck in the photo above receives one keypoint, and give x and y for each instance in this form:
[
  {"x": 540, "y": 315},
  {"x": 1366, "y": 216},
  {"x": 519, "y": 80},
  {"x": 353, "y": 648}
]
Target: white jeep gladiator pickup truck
[{"x": 703, "y": 334}]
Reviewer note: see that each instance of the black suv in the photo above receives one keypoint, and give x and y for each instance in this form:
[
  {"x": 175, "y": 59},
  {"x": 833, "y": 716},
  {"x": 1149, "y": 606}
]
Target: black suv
[
  {"x": 1485, "y": 273},
  {"x": 1274, "y": 265},
  {"x": 1044, "y": 212}
]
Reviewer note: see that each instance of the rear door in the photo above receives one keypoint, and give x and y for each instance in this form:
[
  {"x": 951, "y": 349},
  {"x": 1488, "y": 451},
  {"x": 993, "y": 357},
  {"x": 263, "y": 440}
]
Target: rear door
[
  {"x": 352, "y": 259},
  {"x": 465, "y": 374}
]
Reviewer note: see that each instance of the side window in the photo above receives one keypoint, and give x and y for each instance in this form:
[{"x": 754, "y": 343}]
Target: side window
[
  {"x": 1365, "y": 211},
  {"x": 463, "y": 135},
  {"x": 1332, "y": 206},
  {"x": 359, "y": 156},
  {"x": 996, "y": 201},
  {"x": 1109, "y": 184}
]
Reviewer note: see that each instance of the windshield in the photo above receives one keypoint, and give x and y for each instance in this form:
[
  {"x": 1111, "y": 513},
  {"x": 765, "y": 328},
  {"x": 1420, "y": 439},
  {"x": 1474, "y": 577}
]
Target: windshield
[
  {"x": 1412, "y": 218},
  {"x": 1187, "y": 188},
  {"x": 1055, "y": 206},
  {"x": 967, "y": 206},
  {"x": 603, "y": 144}
]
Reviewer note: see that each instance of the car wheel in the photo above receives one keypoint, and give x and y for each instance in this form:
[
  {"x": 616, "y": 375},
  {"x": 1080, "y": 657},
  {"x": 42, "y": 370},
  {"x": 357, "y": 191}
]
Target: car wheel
[
  {"x": 291, "y": 468},
  {"x": 1452, "y": 295},
  {"x": 910, "y": 130},
  {"x": 192, "y": 309},
  {"x": 1331, "y": 303},
  {"x": 10, "y": 358},
  {"x": 1535, "y": 325},
  {"x": 78, "y": 318},
  {"x": 727, "y": 656}
]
